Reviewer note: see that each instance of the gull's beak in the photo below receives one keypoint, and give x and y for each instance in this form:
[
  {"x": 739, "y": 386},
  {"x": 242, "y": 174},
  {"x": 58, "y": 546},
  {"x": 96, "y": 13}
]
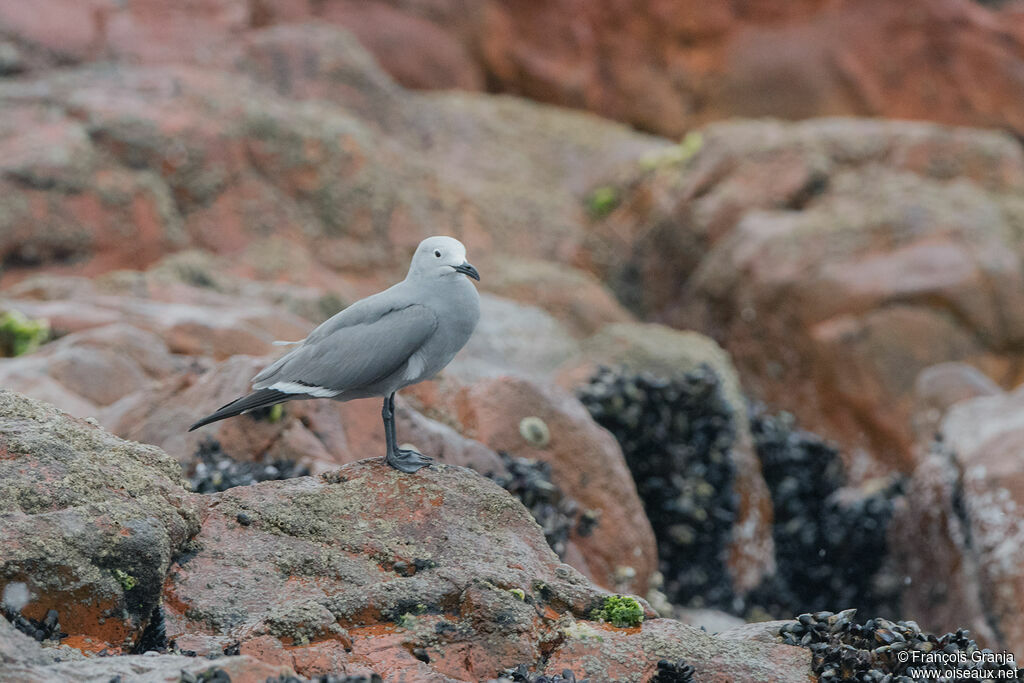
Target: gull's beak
[{"x": 467, "y": 269}]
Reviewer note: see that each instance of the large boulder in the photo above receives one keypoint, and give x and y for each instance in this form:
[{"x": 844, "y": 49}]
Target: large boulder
[
  {"x": 369, "y": 567},
  {"x": 959, "y": 537},
  {"x": 90, "y": 523},
  {"x": 834, "y": 259}
]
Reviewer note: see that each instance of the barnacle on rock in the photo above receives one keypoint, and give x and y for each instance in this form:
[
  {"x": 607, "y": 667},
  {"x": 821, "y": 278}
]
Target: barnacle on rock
[{"x": 535, "y": 431}]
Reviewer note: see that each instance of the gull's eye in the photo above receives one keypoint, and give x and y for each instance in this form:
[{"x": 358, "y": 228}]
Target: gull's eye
[{"x": 437, "y": 253}]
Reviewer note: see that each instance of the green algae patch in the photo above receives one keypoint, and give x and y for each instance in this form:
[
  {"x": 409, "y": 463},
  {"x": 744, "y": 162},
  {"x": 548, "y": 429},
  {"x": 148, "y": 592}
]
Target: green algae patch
[
  {"x": 602, "y": 201},
  {"x": 621, "y": 611},
  {"x": 20, "y": 334}
]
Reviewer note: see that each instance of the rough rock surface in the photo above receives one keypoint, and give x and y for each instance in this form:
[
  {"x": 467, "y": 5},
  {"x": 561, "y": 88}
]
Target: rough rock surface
[
  {"x": 23, "y": 659},
  {"x": 660, "y": 65},
  {"x": 366, "y": 567},
  {"x": 90, "y": 522},
  {"x": 960, "y": 534},
  {"x": 834, "y": 259}
]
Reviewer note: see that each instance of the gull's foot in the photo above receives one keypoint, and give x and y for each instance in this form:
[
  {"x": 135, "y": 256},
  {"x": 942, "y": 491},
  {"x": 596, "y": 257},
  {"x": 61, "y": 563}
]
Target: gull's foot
[{"x": 407, "y": 460}]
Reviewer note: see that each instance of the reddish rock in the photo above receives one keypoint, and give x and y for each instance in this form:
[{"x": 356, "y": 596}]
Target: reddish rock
[
  {"x": 90, "y": 522},
  {"x": 316, "y": 433},
  {"x": 86, "y": 370},
  {"x": 415, "y": 569},
  {"x": 185, "y": 319},
  {"x": 833, "y": 259},
  {"x": 529, "y": 420},
  {"x": 176, "y": 156},
  {"x": 660, "y": 65},
  {"x": 296, "y": 574},
  {"x": 959, "y": 537},
  {"x": 24, "y": 660}
]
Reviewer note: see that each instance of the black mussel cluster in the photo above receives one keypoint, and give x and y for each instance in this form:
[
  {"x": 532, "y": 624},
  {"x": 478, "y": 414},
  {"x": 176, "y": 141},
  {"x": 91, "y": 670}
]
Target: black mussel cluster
[
  {"x": 374, "y": 678},
  {"x": 48, "y": 628},
  {"x": 214, "y": 470},
  {"x": 154, "y": 636},
  {"x": 677, "y": 434},
  {"x": 673, "y": 672},
  {"x": 883, "y": 651},
  {"x": 522, "y": 674},
  {"x": 214, "y": 674},
  {"x": 555, "y": 512},
  {"x": 830, "y": 549}
]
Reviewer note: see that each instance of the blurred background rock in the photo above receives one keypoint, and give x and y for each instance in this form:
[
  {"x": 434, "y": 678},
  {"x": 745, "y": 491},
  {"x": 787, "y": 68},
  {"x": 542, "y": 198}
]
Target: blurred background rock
[{"x": 790, "y": 232}]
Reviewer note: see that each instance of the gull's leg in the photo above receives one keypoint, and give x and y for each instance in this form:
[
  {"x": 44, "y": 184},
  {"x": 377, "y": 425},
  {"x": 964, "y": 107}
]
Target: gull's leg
[{"x": 406, "y": 460}]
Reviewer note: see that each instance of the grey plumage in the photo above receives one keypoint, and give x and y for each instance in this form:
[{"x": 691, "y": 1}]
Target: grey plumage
[{"x": 378, "y": 345}]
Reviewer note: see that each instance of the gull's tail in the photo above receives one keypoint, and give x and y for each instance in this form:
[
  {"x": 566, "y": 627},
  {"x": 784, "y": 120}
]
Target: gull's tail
[{"x": 261, "y": 398}]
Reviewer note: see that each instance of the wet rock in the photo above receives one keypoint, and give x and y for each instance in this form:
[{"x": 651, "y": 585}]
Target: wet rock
[{"x": 91, "y": 523}]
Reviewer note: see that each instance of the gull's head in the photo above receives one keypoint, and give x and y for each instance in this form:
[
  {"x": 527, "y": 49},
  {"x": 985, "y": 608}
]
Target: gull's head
[{"x": 441, "y": 257}]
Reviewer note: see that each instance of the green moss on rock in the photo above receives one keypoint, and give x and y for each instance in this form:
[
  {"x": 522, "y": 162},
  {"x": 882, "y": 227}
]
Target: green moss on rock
[
  {"x": 20, "y": 334},
  {"x": 602, "y": 201},
  {"x": 621, "y": 611},
  {"x": 126, "y": 580}
]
